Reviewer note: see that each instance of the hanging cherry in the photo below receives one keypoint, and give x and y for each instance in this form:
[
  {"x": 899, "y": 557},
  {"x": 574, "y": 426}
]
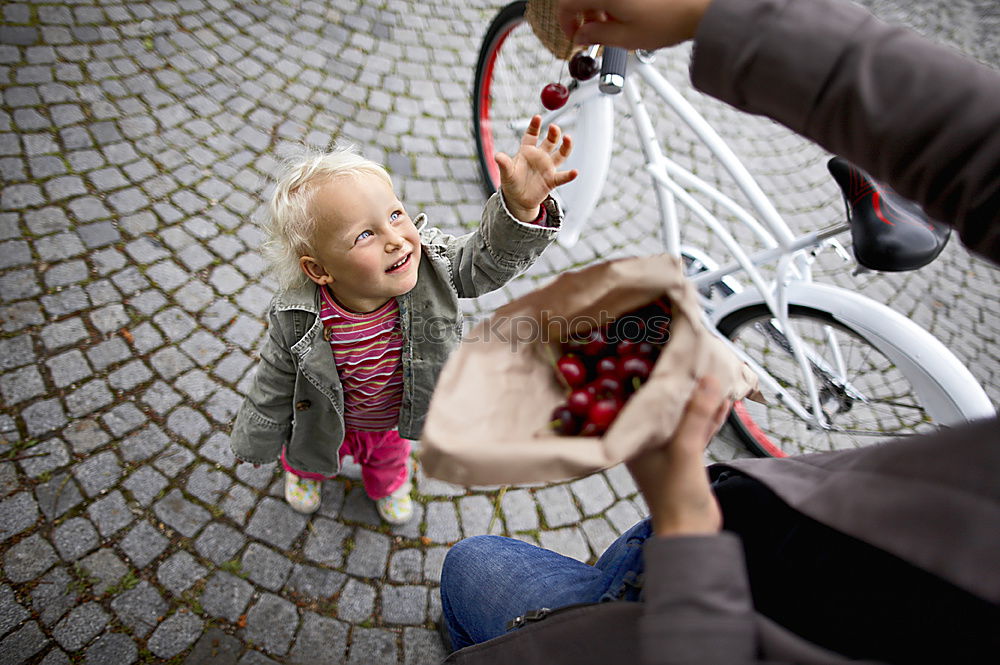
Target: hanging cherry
[
  {"x": 582, "y": 67},
  {"x": 554, "y": 96}
]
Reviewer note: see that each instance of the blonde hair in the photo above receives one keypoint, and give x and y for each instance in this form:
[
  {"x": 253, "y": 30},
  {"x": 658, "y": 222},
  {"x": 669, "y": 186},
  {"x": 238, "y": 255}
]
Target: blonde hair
[{"x": 289, "y": 225}]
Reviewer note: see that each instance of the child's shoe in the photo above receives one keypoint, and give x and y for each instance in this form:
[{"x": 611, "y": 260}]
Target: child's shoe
[
  {"x": 397, "y": 508},
  {"x": 302, "y": 494}
]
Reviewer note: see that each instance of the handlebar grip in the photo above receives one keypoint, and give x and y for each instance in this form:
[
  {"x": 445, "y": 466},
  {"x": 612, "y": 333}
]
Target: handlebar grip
[{"x": 613, "y": 70}]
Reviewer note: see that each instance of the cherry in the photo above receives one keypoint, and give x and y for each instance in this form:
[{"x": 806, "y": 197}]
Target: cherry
[
  {"x": 572, "y": 369},
  {"x": 603, "y": 412},
  {"x": 637, "y": 367},
  {"x": 607, "y": 367},
  {"x": 564, "y": 422},
  {"x": 603, "y": 367},
  {"x": 646, "y": 350},
  {"x": 610, "y": 386},
  {"x": 582, "y": 67},
  {"x": 626, "y": 347},
  {"x": 554, "y": 96},
  {"x": 579, "y": 402},
  {"x": 597, "y": 344}
]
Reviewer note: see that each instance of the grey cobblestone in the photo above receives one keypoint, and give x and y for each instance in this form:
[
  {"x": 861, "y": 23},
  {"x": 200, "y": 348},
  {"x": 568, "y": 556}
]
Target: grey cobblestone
[
  {"x": 80, "y": 626},
  {"x": 173, "y": 460},
  {"x": 476, "y": 513},
  {"x": 98, "y": 473},
  {"x": 21, "y": 384},
  {"x": 11, "y": 612},
  {"x": 370, "y": 553},
  {"x": 318, "y": 635},
  {"x": 265, "y": 567},
  {"x": 181, "y": 514},
  {"x": 52, "y": 597},
  {"x": 406, "y": 566},
  {"x": 216, "y": 647},
  {"x": 105, "y": 569},
  {"x": 68, "y": 368},
  {"x": 226, "y": 596},
  {"x": 52, "y": 454},
  {"x": 113, "y": 648},
  {"x": 309, "y": 582},
  {"x": 569, "y": 542},
  {"x": 276, "y": 523},
  {"x": 28, "y": 559},
  {"x": 140, "y": 608},
  {"x": 359, "y": 508},
  {"x": 623, "y": 515},
  {"x": 136, "y": 146},
  {"x": 17, "y": 513},
  {"x": 55, "y": 657},
  {"x": 22, "y": 644},
  {"x": 179, "y": 572},
  {"x": 57, "y": 495},
  {"x": 175, "y": 634},
  {"x": 557, "y": 506},
  {"x": 372, "y": 645},
  {"x": 271, "y": 623},
  {"x": 143, "y": 543},
  {"x": 356, "y": 603},
  {"x": 325, "y": 541},
  {"x": 219, "y": 542},
  {"x": 404, "y": 604},
  {"x": 442, "y": 522},
  {"x": 74, "y": 538}
]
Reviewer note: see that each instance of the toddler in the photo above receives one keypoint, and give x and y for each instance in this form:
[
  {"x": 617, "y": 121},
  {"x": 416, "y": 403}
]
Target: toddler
[{"x": 367, "y": 312}]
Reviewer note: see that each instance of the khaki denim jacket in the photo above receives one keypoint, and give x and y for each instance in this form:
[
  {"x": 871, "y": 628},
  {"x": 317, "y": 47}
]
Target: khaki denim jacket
[{"x": 296, "y": 398}]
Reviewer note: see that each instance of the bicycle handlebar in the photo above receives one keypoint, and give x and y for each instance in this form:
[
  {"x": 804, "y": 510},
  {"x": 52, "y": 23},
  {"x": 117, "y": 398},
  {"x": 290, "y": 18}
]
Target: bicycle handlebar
[{"x": 613, "y": 70}]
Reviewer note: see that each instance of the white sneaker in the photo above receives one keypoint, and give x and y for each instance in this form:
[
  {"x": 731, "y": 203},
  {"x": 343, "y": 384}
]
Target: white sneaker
[
  {"x": 397, "y": 508},
  {"x": 301, "y": 494}
]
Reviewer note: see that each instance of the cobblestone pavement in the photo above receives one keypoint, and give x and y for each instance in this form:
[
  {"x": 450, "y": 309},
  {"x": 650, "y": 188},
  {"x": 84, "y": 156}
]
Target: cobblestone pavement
[{"x": 135, "y": 143}]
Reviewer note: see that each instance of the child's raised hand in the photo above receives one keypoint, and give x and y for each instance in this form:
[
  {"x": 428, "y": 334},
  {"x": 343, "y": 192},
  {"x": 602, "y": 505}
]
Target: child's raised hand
[{"x": 529, "y": 177}]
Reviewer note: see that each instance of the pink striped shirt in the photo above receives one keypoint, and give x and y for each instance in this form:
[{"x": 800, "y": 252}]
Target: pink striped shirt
[{"x": 368, "y": 350}]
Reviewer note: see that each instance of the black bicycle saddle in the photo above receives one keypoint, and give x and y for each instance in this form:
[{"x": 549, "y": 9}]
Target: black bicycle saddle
[{"x": 890, "y": 233}]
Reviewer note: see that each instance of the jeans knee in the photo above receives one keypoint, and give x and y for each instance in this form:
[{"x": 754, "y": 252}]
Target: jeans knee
[{"x": 465, "y": 556}]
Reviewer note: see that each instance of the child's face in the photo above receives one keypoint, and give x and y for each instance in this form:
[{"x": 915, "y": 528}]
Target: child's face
[{"x": 366, "y": 247}]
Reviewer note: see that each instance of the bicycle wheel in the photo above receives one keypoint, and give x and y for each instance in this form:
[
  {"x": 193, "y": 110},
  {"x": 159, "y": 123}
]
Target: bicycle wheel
[
  {"x": 869, "y": 399},
  {"x": 513, "y": 68}
]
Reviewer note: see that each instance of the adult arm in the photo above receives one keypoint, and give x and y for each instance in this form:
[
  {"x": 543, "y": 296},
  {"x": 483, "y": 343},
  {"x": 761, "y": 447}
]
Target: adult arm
[
  {"x": 698, "y": 607},
  {"x": 912, "y": 113}
]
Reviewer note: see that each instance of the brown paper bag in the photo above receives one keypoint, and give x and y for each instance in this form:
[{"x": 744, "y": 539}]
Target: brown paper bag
[{"x": 488, "y": 419}]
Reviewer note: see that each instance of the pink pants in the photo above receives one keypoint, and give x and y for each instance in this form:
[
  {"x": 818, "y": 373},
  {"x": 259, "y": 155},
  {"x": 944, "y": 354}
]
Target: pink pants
[{"x": 382, "y": 456}]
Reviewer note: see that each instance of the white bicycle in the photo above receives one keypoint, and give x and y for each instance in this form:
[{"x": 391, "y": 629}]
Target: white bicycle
[{"x": 837, "y": 369}]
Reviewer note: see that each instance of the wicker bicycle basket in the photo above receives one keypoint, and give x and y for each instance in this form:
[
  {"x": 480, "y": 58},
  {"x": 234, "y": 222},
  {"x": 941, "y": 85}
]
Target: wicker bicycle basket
[{"x": 541, "y": 16}]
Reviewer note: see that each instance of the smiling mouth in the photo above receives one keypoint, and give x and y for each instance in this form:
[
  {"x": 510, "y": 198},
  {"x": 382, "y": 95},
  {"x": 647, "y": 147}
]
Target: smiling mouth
[{"x": 398, "y": 265}]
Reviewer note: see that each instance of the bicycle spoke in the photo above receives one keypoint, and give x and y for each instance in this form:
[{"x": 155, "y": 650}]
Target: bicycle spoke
[{"x": 862, "y": 394}]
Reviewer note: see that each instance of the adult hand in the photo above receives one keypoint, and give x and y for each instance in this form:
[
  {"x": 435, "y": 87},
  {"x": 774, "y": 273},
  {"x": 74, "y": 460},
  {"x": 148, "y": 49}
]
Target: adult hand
[
  {"x": 528, "y": 178},
  {"x": 633, "y": 24},
  {"x": 672, "y": 477}
]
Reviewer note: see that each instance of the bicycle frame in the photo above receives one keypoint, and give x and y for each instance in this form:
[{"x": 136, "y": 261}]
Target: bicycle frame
[{"x": 595, "y": 134}]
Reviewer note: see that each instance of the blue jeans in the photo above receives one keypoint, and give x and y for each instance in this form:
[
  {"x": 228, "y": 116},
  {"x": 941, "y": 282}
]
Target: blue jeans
[{"x": 489, "y": 580}]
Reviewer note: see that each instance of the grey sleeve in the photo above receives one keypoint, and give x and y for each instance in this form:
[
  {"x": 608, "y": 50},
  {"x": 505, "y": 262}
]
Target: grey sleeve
[
  {"x": 917, "y": 115},
  {"x": 499, "y": 250},
  {"x": 697, "y": 602}
]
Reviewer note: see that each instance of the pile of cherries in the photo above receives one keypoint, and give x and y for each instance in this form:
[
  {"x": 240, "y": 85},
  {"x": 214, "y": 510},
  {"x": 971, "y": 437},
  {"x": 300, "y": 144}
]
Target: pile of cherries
[
  {"x": 602, "y": 369},
  {"x": 582, "y": 67}
]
